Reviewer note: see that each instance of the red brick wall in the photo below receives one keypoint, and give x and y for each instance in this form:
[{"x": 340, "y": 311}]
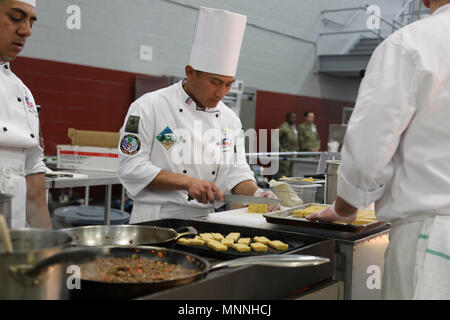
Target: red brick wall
[
  {"x": 89, "y": 98},
  {"x": 80, "y": 97},
  {"x": 272, "y": 108}
]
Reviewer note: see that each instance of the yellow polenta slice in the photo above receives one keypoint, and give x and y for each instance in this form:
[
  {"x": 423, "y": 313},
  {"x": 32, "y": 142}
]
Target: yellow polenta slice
[
  {"x": 277, "y": 244},
  {"x": 197, "y": 242},
  {"x": 241, "y": 247},
  {"x": 217, "y": 246},
  {"x": 185, "y": 241},
  {"x": 301, "y": 213},
  {"x": 245, "y": 241},
  {"x": 259, "y": 247},
  {"x": 234, "y": 235},
  {"x": 217, "y": 236},
  {"x": 205, "y": 236},
  {"x": 258, "y": 208},
  {"x": 227, "y": 241},
  {"x": 261, "y": 240}
]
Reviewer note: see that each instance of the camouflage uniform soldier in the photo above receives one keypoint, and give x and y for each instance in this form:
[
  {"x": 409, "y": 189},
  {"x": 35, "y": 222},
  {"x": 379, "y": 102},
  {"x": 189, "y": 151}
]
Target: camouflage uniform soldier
[
  {"x": 308, "y": 136},
  {"x": 288, "y": 143}
]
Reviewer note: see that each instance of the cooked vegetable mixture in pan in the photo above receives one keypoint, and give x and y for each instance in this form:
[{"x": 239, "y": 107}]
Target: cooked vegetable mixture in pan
[{"x": 133, "y": 269}]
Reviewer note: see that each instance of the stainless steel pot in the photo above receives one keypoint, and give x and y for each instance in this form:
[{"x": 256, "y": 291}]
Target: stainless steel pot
[
  {"x": 31, "y": 246},
  {"x": 332, "y": 173}
]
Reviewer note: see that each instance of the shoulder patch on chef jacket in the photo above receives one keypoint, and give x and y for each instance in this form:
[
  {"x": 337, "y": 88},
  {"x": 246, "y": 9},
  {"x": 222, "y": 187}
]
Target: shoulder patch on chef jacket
[
  {"x": 30, "y": 106},
  {"x": 167, "y": 138},
  {"x": 132, "y": 125},
  {"x": 130, "y": 144}
]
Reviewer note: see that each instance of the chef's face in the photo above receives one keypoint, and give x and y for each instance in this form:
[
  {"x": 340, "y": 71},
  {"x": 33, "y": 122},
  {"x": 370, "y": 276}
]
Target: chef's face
[
  {"x": 208, "y": 88},
  {"x": 310, "y": 117},
  {"x": 16, "y": 21}
]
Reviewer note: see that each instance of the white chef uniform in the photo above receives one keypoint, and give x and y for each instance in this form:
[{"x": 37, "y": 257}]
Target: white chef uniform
[
  {"x": 162, "y": 125},
  {"x": 397, "y": 146},
  {"x": 169, "y": 123},
  {"x": 20, "y": 152}
]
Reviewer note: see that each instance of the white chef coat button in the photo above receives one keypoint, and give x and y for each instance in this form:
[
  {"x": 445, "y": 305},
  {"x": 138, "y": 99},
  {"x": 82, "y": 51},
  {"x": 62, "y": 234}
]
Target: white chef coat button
[
  {"x": 32, "y": 135},
  {"x": 19, "y": 99}
]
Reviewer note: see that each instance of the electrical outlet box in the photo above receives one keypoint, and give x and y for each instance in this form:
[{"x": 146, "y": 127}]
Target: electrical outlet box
[{"x": 146, "y": 53}]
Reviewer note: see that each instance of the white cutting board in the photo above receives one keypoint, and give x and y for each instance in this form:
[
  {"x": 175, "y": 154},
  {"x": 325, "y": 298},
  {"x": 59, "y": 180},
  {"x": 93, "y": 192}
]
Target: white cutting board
[{"x": 238, "y": 217}]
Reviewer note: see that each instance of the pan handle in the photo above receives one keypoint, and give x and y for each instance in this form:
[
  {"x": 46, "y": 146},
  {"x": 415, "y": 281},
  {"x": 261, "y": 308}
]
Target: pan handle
[
  {"x": 273, "y": 260},
  {"x": 189, "y": 231}
]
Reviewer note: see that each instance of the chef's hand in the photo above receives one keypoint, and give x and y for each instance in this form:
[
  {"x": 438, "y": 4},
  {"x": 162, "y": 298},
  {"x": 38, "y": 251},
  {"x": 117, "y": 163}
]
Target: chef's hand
[
  {"x": 204, "y": 191},
  {"x": 268, "y": 194},
  {"x": 338, "y": 211}
]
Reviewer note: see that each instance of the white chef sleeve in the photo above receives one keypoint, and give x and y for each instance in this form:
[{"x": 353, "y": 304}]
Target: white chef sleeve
[
  {"x": 34, "y": 161},
  {"x": 385, "y": 106},
  {"x": 136, "y": 170},
  {"x": 238, "y": 170}
]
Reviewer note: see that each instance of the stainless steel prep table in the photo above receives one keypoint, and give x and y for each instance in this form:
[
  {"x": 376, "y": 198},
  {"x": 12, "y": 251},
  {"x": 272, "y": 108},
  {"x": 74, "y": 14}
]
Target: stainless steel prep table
[{"x": 94, "y": 178}]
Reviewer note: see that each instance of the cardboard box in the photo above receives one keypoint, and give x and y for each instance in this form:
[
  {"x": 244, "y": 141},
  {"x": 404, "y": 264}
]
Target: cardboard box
[
  {"x": 86, "y": 138},
  {"x": 87, "y": 158}
]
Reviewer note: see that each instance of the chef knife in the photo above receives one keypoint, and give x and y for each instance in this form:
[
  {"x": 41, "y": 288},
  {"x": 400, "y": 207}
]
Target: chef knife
[{"x": 245, "y": 199}]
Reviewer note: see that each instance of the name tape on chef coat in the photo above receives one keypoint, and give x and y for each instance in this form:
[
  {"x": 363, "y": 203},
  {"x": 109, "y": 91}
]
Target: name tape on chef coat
[{"x": 132, "y": 125}]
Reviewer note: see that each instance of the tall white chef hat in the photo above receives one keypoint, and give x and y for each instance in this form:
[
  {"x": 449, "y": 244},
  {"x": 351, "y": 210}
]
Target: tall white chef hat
[
  {"x": 30, "y": 2},
  {"x": 217, "y": 41}
]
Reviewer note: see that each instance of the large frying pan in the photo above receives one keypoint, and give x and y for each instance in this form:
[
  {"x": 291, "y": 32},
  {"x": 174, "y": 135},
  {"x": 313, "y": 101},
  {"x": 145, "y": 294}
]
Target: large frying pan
[
  {"x": 125, "y": 235},
  {"x": 110, "y": 290}
]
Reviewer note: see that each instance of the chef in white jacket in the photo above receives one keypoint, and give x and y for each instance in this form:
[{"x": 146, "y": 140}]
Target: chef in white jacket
[
  {"x": 397, "y": 153},
  {"x": 182, "y": 142},
  {"x": 21, "y": 166}
]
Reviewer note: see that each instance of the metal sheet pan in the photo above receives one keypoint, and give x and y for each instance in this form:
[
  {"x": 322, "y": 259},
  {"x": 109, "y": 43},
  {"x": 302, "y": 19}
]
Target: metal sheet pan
[
  {"x": 232, "y": 253},
  {"x": 286, "y": 216}
]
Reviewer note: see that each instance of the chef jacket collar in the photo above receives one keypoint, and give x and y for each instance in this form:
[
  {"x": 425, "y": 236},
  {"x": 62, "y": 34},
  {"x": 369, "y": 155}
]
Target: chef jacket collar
[
  {"x": 443, "y": 8},
  {"x": 5, "y": 66},
  {"x": 189, "y": 102}
]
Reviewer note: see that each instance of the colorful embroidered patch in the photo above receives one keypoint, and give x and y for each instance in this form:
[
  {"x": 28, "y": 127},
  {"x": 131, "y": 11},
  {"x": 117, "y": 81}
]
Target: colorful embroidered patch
[
  {"x": 130, "y": 144},
  {"x": 225, "y": 142},
  {"x": 167, "y": 138},
  {"x": 30, "y": 105}
]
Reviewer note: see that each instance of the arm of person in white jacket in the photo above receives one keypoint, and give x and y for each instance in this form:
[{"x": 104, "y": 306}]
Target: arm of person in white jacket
[
  {"x": 37, "y": 213},
  {"x": 385, "y": 106}
]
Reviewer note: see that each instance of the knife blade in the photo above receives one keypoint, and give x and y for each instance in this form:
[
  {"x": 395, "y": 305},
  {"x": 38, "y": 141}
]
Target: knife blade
[
  {"x": 244, "y": 199},
  {"x": 248, "y": 199}
]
